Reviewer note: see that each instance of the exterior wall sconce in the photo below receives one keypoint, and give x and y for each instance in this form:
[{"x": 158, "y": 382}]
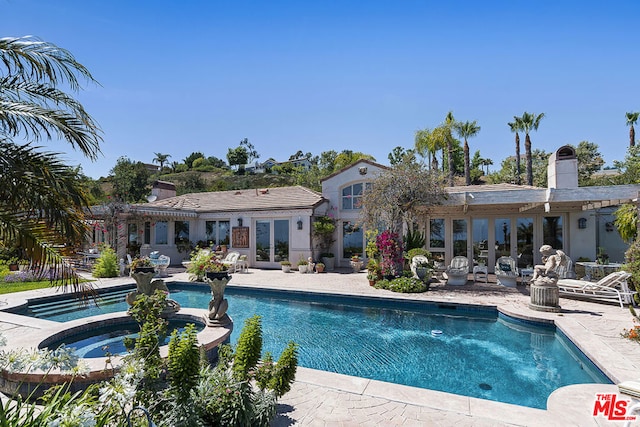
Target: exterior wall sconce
[
  {"x": 239, "y": 222},
  {"x": 362, "y": 170},
  {"x": 299, "y": 223},
  {"x": 582, "y": 223},
  {"x": 608, "y": 227}
]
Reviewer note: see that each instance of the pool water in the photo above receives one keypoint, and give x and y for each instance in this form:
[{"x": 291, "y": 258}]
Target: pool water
[{"x": 478, "y": 353}]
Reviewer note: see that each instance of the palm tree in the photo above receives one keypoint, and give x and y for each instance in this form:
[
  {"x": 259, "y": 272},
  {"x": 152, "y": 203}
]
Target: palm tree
[
  {"x": 487, "y": 163},
  {"x": 632, "y": 119},
  {"x": 467, "y": 130},
  {"x": 529, "y": 122},
  {"x": 516, "y": 126},
  {"x": 161, "y": 158},
  {"x": 449, "y": 122},
  {"x": 42, "y": 201},
  {"x": 427, "y": 145}
]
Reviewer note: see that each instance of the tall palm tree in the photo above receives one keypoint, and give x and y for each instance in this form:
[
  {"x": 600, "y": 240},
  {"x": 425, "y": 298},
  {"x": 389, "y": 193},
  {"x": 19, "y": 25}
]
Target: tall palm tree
[
  {"x": 161, "y": 158},
  {"x": 530, "y": 121},
  {"x": 516, "y": 127},
  {"x": 449, "y": 122},
  {"x": 42, "y": 201},
  {"x": 632, "y": 119},
  {"x": 465, "y": 131}
]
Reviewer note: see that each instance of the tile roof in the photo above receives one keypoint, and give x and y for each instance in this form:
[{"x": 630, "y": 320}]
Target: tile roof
[{"x": 276, "y": 198}]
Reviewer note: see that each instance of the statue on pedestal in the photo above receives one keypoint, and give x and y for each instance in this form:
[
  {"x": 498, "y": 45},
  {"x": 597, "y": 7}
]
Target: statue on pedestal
[
  {"x": 553, "y": 259},
  {"x": 217, "y": 313},
  {"x": 146, "y": 286}
]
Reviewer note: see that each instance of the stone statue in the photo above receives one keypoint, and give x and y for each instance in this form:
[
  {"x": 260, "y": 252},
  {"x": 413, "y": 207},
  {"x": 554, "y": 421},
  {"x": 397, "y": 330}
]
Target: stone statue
[
  {"x": 146, "y": 286},
  {"x": 553, "y": 259},
  {"x": 217, "y": 313}
]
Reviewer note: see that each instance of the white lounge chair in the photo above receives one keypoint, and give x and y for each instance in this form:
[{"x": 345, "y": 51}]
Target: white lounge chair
[
  {"x": 161, "y": 263},
  {"x": 612, "y": 287},
  {"x": 457, "y": 271},
  {"x": 506, "y": 272},
  {"x": 231, "y": 261}
]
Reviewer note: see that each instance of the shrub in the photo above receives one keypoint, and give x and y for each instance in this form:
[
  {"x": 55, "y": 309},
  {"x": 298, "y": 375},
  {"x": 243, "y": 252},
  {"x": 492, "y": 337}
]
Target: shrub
[
  {"x": 183, "y": 362},
  {"x": 632, "y": 265},
  {"x": 403, "y": 285},
  {"x": 107, "y": 264},
  {"x": 417, "y": 251}
]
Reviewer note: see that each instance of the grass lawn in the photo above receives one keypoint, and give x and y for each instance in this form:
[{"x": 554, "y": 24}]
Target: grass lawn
[{"x": 9, "y": 288}]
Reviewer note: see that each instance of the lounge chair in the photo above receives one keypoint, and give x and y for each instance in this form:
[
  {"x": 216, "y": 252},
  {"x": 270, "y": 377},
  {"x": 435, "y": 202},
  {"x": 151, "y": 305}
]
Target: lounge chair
[
  {"x": 506, "y": 272},
  {"x": 161, "y": 263},
  {"x": 457, "y": 272},
  {"x": 612, "y": 287},
  {"x": 231, "y": 261}
]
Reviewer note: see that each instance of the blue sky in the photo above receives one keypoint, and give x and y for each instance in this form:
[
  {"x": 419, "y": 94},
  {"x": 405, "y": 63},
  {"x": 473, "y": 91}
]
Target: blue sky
[{"x": 178, "y": 77}]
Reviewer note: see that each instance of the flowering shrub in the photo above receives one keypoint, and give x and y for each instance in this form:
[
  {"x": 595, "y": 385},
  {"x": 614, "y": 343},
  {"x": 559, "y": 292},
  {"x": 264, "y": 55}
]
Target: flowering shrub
[
  {"x": 403, "y": 285},
  {"x": 390, "y": 248},
  {"x": 30, "y": 276},
  {"x": 203, "y": 261}
]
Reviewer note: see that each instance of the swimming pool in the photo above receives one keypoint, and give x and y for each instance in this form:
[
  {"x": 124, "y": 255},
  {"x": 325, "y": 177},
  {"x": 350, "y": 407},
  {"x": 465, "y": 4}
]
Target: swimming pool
[{"x": 480, "y": 353}]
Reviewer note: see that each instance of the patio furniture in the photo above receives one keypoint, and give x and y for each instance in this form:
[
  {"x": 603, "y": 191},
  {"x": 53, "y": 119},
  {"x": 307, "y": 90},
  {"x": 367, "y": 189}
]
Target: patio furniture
[
  {"x": 612, "y": 287},
  {"x": 231, "y": 260},
  {"x": 242, "y": 265},
  {"x": 482, "y": 271},
  {"x": 507, "y": 272},
  {"x": 595, "y": 271},
  {"x": 161, "y": 263},
  {"x": 456, "y": 273}
]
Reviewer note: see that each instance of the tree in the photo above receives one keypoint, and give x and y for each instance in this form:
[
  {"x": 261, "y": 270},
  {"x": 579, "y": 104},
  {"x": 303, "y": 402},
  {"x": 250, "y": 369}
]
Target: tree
[
  {"x": 632, "y": 119},
  {"x": 161, "y": 159},
  {"x": 626, "y": 221},
  {"x": 399, "y": 154},
  {"x": 629, "y": 167},
  {"x": 298, "y": 155},
  {"x": 529, "y": 121},
  {"x": 42, "y": 201},
  {"x": 399, "y": 194},
  {"x": 589, "y": 161},
  {"x": 130, "y": 180},
  {"x": 327, "y": 161},
  {"x": 516, "y": 127},
  {"x": 238, "y": 157},
  {"x": 216, "y": 162},
  {"x": 191, "y": 157},
  {"x": 540, "y": 161},
  {"x": 252, "y": 154},
  {"x": 348, "y": 157},
  {"x": 465, "y": 131},
  {"x": 449, "y": 122},
  {"x": 427, "y": 144}
]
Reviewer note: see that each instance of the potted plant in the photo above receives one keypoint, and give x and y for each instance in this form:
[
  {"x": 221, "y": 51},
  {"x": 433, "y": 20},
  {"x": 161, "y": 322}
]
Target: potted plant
[
  {"x": 142, "y": 265},
  {"x": 372, "y": 277},
  {"x": 286, "y": 266},
  {"x": 603, "y": 257},
  {"x": 320, "y": 267},
  {"x": 323, "y": 229},
  {"x": 423, "y": 270},
  {"x": 302, "y": 265},
  {"x": 356, "y": 263},
  {"x": 215, "y": 269}
]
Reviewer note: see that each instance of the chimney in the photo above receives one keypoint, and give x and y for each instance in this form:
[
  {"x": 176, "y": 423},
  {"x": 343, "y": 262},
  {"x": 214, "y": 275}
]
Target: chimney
[
  {"x": 563, "y": 168},
  {"x": 163, "y": 190}
]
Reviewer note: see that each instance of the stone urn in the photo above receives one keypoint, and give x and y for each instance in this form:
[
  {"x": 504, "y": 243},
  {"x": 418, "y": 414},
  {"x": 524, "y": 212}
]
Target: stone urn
[
  {"x": 217, "y": 311},
  {"x": 356, "y": 266},
  {"x": 545, "y": 295}
]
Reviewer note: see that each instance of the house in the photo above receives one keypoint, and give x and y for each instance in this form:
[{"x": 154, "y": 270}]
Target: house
[
  {"x": 480, "y": 222},
  {"x": 268, "y": 225},
  {"x": 484, "y": 222}
]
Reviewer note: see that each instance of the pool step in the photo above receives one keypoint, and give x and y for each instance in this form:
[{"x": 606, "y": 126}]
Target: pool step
[{"x": 65, "y": 306}]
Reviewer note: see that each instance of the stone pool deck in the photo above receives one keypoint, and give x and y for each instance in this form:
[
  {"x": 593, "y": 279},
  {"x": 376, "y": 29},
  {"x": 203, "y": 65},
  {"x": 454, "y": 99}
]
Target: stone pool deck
[{"x": 320, "y": 398}]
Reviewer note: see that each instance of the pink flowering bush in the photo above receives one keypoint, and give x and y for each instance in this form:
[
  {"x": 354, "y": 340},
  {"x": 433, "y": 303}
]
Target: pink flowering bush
[{"x": 390, "y": 249}]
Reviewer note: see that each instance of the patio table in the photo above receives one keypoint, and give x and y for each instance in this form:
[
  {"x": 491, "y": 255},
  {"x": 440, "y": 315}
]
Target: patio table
[{"x": 595, "y": 271}]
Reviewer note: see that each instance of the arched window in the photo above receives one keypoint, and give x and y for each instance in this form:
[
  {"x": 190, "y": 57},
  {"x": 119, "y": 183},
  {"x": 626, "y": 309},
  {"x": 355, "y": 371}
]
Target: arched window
[{"x": 352, "y": 195}]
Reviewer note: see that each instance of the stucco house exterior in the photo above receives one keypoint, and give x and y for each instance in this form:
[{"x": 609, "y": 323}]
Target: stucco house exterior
[{"x": 481, "y": 222}]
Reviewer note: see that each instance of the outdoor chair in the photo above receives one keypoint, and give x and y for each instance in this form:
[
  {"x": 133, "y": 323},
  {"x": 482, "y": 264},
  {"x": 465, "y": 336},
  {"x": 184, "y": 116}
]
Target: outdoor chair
[
  {"x": 506, "y": 272},
  {"x": 161, "y": 263},
  {"x": 231, "y": 261},
  {"x": 612, "y": 287},
  {"x": 457, "y": 271}
]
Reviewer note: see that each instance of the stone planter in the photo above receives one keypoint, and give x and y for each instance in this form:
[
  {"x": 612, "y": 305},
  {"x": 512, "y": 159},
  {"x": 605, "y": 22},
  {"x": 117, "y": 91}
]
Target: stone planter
[
  {"x": 329, "y": 263},
  {"x": 302, "y": 268},
  {"x": 144, "y": 270},
  {"x": 422, "y": 273},
  {"x": 217, "y": 275},
  {"x": 286, "y": 268},
  {"x": 319, "y": 268},
  {"x": 544, "y": 297},
  {"x": 356, "y": 266}
]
